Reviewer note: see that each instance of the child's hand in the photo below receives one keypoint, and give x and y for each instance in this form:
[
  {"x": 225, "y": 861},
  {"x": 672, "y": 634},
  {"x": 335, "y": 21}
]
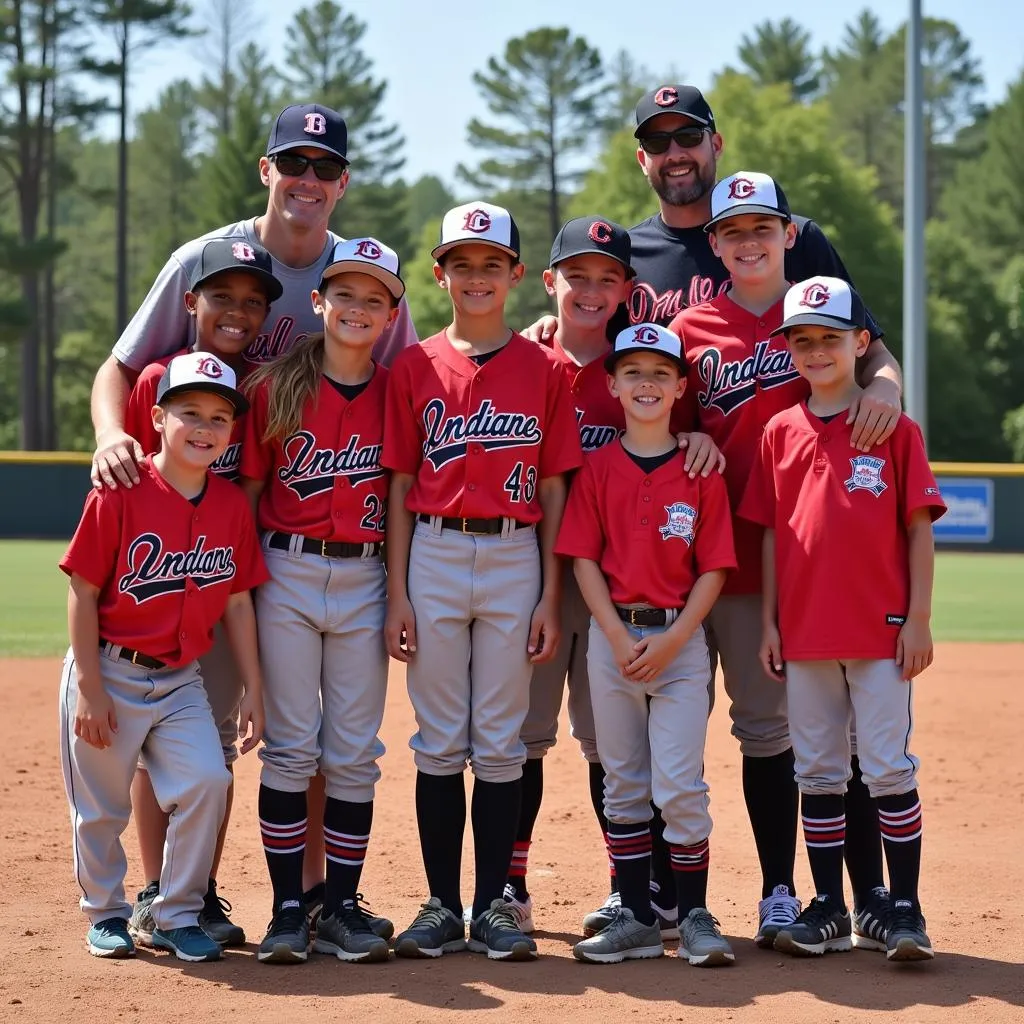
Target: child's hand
[
  {"x": 770, "y": 653},
  {"x": 914, "y": 650},
  {"x": 95, "y": 719},
  {"x": 702, "y": 454},
  {"x": 652, "y": 655},
  {"x": 400, "y": 629},
  {"x": 251, "y": 721},
  {"x": 545, "y": 631},
  {"x": 622, "y": 649},
  {"x": 543, "y": 330}
]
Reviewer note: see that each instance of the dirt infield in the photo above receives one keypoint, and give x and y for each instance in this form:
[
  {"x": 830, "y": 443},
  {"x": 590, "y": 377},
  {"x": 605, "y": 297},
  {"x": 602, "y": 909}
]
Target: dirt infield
[{"x": 970, "y": 710}]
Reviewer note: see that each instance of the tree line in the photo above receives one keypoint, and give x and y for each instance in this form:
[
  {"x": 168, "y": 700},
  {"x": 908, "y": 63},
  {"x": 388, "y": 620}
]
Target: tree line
[{"x": 90, "y": 220}]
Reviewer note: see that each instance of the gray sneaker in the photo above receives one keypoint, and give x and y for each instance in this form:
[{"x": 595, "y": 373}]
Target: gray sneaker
[
  {"x": 287, "y": 938},
  {"x": 700, "y": 941},
  {"x": 436, "y": 930},
  {"x": 599, "y": 919},
  {"x": 625, "y": 938},
  {"x": 141, "y": 924},
  {"x": 348, "y": 936},
  {"x": 496, "y": 932}
]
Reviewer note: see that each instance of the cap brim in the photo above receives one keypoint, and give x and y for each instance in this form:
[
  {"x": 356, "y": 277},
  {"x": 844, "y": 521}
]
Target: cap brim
[
  {"x": 614, "y": 356},
  {"x": 817, "y": 320},
  {"x": 236, "y": 398},
  {"x": 703, "y": 122},
  {"x": 597, "y": 251},
  {"x": 739, "y": 211},
  {"x": 312, "y": 145},
  {"x": 392, "y": 282},
  {"x": 439, "y": 250},
  {"x": 272, "y": 286}
]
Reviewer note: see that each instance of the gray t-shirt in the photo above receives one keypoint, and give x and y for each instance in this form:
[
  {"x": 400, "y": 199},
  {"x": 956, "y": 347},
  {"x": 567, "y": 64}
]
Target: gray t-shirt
[{"x": 162, "y": 325}]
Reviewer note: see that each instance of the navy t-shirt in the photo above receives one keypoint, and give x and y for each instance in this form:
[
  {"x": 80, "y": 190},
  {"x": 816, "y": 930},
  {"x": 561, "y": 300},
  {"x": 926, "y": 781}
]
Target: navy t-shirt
[{"x": 676, "y": 268}]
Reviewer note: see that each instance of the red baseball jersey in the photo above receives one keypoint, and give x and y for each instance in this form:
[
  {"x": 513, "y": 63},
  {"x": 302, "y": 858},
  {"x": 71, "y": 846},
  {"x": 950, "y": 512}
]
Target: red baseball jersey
[
  {"x": 738, "y": 378},
  {"x": 479, "y": 439},
  {"x": 165, "y": 567},
  {"x": 840, "y": 518},
  {"x": 652, "y": 534},
  {"x": 599, "y": 414},
  {"x": 138, "y": 419},
  {"x": 325, "y": 481}
]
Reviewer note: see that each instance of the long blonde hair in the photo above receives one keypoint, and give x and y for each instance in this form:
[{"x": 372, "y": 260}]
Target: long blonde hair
[{"x": 292, "y": 380}]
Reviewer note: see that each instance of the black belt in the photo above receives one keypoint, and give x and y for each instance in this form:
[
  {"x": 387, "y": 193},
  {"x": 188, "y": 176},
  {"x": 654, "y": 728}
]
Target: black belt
[
  {"x": 488, "y": 526},
  {"x": 135, "y": 657},
  {"x": 643, "y": 616},
  {"x": 327, "y": 548}
]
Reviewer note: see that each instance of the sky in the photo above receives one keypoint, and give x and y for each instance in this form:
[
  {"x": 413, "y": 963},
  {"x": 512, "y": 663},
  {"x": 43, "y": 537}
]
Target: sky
[{"x": 428, "y": 51}]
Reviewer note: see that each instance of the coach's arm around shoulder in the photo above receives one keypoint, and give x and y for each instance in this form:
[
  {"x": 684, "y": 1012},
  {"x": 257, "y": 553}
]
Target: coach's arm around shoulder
[{"x": 117, "y": 452}]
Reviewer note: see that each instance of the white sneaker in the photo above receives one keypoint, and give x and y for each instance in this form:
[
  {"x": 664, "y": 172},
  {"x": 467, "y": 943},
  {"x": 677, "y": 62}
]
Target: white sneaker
[
  {"x": 774, "y": 914},
  {"x": 523, "y": 909}
]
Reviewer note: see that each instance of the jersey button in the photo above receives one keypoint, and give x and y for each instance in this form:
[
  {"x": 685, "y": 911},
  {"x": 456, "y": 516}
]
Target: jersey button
[
  {"x": 647, "y": 497},
  {"x": 647, "y": 483},
  {"x": 824, "y": 437},
  {"x": 337, "y": 515},
  {"x": 643, "y": 522},
  {"x": 472, "y": 487},
  {"x": 184, "y": 636}
]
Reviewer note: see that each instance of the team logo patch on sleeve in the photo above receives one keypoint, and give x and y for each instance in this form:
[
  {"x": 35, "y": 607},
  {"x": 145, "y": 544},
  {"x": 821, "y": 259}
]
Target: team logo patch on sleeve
[
  {"x": 866, "y": 475},
  {"x": 679, "y": 522}
]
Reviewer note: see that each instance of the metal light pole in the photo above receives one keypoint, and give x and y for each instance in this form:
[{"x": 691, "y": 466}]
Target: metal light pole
[{"x": 915, "y": 326}]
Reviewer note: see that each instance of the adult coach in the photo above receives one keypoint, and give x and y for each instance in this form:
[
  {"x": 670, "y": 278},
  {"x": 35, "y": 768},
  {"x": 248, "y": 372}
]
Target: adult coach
[
  {"x": 306, "y": 173},
  {"x": 678, "y": 147}
]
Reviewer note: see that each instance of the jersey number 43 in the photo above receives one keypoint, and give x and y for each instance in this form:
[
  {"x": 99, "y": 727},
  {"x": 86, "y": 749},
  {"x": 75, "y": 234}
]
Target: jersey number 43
[{"x": 522, "y": 486}]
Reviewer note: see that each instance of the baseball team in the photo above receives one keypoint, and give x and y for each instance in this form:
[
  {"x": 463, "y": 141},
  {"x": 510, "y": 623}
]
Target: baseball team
[{"x": 700, "y": 458}]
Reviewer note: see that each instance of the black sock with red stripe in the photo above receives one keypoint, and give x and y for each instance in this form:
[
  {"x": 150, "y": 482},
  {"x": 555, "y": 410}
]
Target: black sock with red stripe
[
  {"x": 283, "y": 829},
  {"x": 346, "y": 836},
  {"x": 529, "y": 808},
  {"x": 661, "y": 862},
  {"x": 495, "y": 817},
  {"x": 824, "y": 824},
  {"x": 441, "y": 818},
  {"x": 863, "y": 850},
  {"x": 630, "y": 846},
  {"x": 901, "y": 825},
  {"x": 773, "y": 806},
  {"x": 690, "y": 867},
  {"x": 596, "y": 773}
]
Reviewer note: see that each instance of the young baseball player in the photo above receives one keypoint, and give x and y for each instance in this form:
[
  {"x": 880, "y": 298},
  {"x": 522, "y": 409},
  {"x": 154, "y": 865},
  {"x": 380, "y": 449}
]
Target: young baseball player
[
  {"x": 230, "y": 291},
  {"x": 849, "y": 535},
  {"x": 652, "y": 547},
  {"x": 479, "y": 434},
  {"x": 152, "y": 570},
  {"x": 312, "y": 463},
  {"x": 739, "y": 376},
  {"x": 589, "y": 276}
]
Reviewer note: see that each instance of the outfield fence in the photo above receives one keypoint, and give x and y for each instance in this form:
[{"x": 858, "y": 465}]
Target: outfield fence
[{"x": 42, "y": 495}]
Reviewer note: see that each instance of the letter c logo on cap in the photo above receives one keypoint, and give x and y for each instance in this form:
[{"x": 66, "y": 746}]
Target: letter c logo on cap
[{"x": 666, "y": 96}]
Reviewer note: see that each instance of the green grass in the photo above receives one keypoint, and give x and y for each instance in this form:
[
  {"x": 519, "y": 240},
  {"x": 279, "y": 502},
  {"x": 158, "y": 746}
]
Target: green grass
[{"x": 978, "y": 597}]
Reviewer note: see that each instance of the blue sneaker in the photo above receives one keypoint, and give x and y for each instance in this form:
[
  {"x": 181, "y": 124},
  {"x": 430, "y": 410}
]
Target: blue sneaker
[
  {"x": 109, "y": 938},
  {"x": 191, "y": 943}
]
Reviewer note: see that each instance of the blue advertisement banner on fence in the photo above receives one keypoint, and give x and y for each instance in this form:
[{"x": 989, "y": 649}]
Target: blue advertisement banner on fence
[{"x": 971, "y": 515}]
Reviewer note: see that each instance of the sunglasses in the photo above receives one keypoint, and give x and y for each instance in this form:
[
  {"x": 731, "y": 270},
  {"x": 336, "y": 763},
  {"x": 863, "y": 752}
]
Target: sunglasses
[
  {"x": 293, "y": 165},
  {"x": 657, "y": 143}
]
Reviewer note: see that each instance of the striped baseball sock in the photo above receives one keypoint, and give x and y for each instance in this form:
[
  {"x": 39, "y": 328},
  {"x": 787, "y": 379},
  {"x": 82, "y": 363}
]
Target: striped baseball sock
[
  {"x": 690, "y": 869},
  {"x": 517, "y": 869},
  {"x": 824, "y": 821},
  {"x": 529, "y": 808},
  {"x": 596, "y": 777},
  {"x": 346, "y": 836},
  {"x": 630, "y": 846},
  {"x": 283, "y": 828},
  {"x": 900, "y": 821}
]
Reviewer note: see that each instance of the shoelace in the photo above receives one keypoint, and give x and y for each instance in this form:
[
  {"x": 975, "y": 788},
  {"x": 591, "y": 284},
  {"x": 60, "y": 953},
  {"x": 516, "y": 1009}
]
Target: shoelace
[
  {"x": 429, "y": 915},
  {"x": 705, "y": 924},
  {"x": 778, "y": 910},
  {"x": 817, "y": 914},
  {"x": 354, "y": 918},
  {"x": 614, "y": 902},
  {"x": 503, "y": 917},
  {"x": 905, "y": 919},
  {"x": 291, "y": 919},
  {"x": 364, "y": 907},
  {"x": 216, "y": 907}
]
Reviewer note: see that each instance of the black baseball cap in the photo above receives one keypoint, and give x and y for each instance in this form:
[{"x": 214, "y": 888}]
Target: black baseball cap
[
  {"x": 200, "y": 371},
  {"x": 592, "y": 234},
  {"x": 233, "y": 253},
  {"x": 309, "y": 124},
  {"x": 687, "y": 100}
]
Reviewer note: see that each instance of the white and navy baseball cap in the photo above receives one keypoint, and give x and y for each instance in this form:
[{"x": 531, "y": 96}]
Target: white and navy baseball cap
[
  {"x": 221, "y": 254},
  {"x": 823, "y": 302},
  {"x": 592, "y": 235},
  {"x": 646, "y": 338},
  {"x": 747, "y": 192},
  {"x": 309, "y": 124},
  {"x": 686, "y": 100},
  {"x": 479, "y": 222},
  {"x": 200, "y": 371},
  {"x": 366, "y": 256}
]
